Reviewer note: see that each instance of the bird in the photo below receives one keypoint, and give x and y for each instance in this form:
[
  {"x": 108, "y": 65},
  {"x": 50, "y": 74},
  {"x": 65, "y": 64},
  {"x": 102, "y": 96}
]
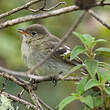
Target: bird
[{"x": 37, "y": 44}]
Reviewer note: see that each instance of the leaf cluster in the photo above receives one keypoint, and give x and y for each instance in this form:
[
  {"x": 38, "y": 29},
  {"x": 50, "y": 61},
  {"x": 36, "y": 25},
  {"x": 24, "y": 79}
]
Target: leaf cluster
[{"x": 97, "y": 78}]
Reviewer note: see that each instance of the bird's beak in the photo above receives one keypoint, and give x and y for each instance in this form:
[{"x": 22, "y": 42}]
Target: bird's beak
[{"x": 22, "y": 31}]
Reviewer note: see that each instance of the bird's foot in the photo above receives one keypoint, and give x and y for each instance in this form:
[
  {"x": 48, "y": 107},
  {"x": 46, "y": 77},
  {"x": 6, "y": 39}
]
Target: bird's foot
[
  {"x": 54, "y": 80},
  {"x": 34, "y": 84}
]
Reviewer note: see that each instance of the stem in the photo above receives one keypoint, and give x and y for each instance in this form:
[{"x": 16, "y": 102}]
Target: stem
[{"x": 103, "y": 96}]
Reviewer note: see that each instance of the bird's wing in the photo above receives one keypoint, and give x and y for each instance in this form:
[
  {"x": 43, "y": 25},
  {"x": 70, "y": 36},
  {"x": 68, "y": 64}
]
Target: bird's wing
[{"x": 63, "y": 52}]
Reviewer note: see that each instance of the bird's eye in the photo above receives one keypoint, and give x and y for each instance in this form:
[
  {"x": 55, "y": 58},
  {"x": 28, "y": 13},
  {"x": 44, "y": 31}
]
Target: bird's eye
[{"x": 33, "y": 33}]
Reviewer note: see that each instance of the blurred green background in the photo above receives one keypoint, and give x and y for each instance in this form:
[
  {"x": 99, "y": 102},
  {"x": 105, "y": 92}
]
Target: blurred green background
[{"x": 10, "y": 41}]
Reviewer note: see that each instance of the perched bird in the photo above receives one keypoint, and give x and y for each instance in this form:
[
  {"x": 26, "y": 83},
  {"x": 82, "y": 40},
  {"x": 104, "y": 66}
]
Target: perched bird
[
  {"x": 37, "y": 43},
  {"x": 85, "y": 4}
]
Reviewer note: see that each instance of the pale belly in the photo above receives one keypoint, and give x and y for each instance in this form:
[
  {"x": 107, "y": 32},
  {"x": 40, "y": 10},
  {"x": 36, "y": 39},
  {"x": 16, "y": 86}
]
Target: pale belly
[{"x": 51, "y": 66}]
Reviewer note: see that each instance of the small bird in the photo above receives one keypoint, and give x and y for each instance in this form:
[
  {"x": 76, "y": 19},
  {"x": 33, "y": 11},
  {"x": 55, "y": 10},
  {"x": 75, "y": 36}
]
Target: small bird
[{"x": 38, "y": 43}]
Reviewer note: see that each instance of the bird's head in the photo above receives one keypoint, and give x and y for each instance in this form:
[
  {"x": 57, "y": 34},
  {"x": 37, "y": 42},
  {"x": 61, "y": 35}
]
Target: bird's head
[{"x": 34, "y": 32}]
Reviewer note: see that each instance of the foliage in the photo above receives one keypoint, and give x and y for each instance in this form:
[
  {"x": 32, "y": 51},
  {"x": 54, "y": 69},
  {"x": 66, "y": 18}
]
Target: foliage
[{"x": 95, "y": 79}]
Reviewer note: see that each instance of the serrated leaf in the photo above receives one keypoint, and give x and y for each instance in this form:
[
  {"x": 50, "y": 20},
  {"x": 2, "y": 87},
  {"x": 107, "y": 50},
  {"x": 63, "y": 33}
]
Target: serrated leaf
[
  {"x": 81, "y": 85},
  {"x": 89, "y": 41},
  {"x": 76, "y": 51},
  {"x": 103, "y": 51},
  {"x": 92, "y": 67},
  {"x": 66, "y": 101},
  {"x": 97, "y": 101},
  {"x": 87, "y": 100},
  {"x": 86, "y": 39},
  {"x": 91, "y": 83},
  {"x": 80, "y": 37}
]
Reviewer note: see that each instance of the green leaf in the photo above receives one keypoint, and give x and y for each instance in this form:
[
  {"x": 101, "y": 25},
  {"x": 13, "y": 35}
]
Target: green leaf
[
  {"x": 105, "y": 76},
  {"x": 66, "y": 101},
  {"x": 97, "y": 101},
  {"x": 107, "y": 90},
  {"x": 81, "y": 85},
  {"x": 80, "y": 36},
  {"x": 86, "y": 39},
  {"x": 76, "y": 51},
  {"x": 92, "y": 67},
  {"x": 91, "y": 83},
  {"x": 100, "y": 40},
  {"x": 103, "y": 51},
  {"x": 89, "y": 41},
  {"x": 86, "y": 108},
  {"x": 87, "y": 100}
]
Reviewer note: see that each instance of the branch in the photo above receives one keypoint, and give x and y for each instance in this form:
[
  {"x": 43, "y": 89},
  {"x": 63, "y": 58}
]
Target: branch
[
  {"x": 35, "y": 99},
  {"x": 22, "y": 101},
  {"x": 43, "y": 15},
  {"x": 72, "y": 28},
  {"x": 43, "y": 7},
  {"x": 43, "y": 103},
  {"x": 92, "y": 13},
  {"x": 19, "y": 8},
  {"x": 6, "y": 73},
  {"x": 18, "y": 81},
  {"x": 38, "y": 16}
]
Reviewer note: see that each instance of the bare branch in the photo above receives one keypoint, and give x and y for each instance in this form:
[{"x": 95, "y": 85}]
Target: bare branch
[
  {"x": 35, "y": 99},
  {"x": 18, "y": 81},
  {"x": 43, "y": 103},
  {"x": 58, "y": 4},
  {"x": 19, "y": 8},
  {"x": 22, "y": 101},
  {"x": 74, "y": 26},
  {"x": 43, "y": 7},
  {"x": 92, "y": 13},
  {"x": 38, "y": 16},
  {"x": 6, "y": 73},
  {"x": 32, "y": 10},
  {"x": 43, "y": 15}
]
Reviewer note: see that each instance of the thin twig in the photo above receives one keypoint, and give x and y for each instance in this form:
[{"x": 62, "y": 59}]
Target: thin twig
[
  {"x": 35, "y": 99},
  {"x": 3, "y": 85},
  {"x": 93, "y": 14},
  {"x": 38, "y": 16},
  {"x": 44, "y": 15},
  {"x": 43, "y": 7},
  {"x": 58, "y": 4},
  {"x": 19, "y": 8},
  {"x": 20, "y": 94},
  {"x": 18, "y": 81},
  {"x": 22, "y": 101},
  {"x": 72, "y": 28},
  {"x": 43, "y": 103}
]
